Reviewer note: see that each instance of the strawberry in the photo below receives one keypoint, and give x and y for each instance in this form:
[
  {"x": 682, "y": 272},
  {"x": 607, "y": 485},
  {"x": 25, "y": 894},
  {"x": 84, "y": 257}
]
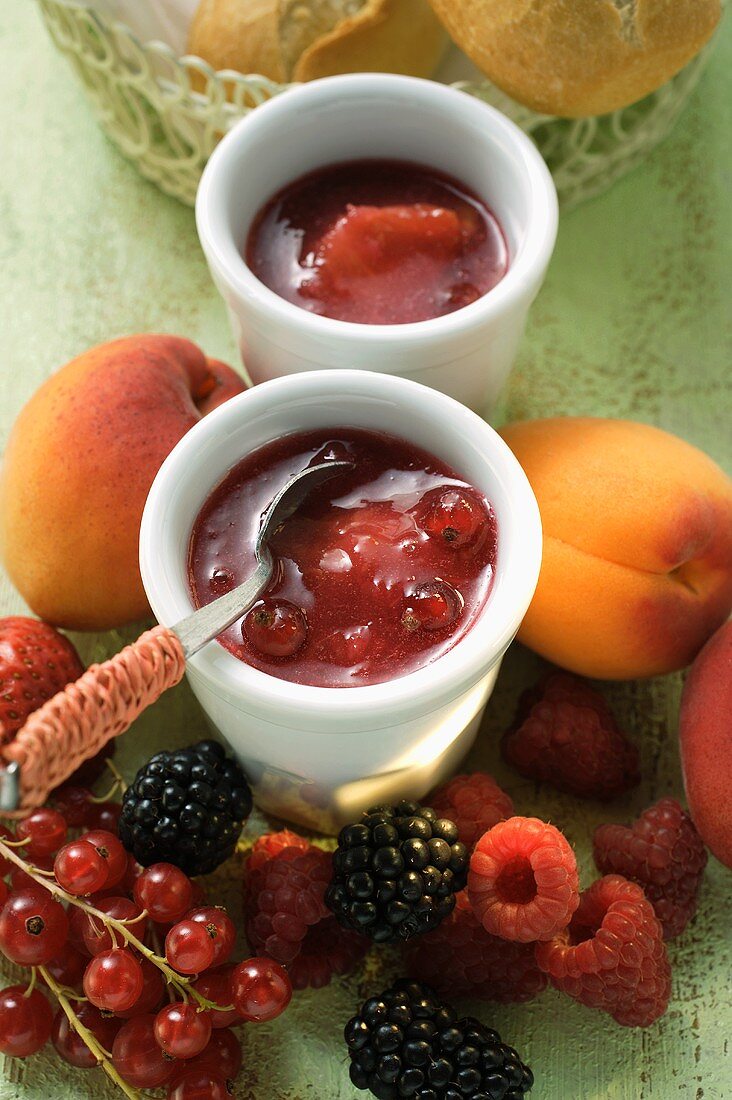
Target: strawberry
[{"x": 35, "y": 662}]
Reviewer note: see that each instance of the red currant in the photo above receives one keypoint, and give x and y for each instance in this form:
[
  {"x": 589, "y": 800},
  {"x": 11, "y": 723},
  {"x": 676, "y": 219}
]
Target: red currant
[
  {"x": 75, "y": 804},
  {"x": 189, "y": 947},
  {"x": 4, "y": 892},
  {"x": 45, "y": 832},
  {"x": 223, "y": 1053},
  {"x": 153, "y": 988},
  {"x": 130, "y": 877},
  {"x": 78, "y": 922},
  {"x": 215, "y": 986},
  {"x": 181, "y": 1030},
  {"x": 200, "y": 1083},
  {"x": 113, "y": 980},
  {"x": 110, "y": 849},
  {"x": 260, "y": 989},
  {"x": 105, "y": 816},
  {"x": 138, "y": 1058},
  {"x": 25, "y": 1021},
  {"x": 199, "y": 894},
  {"x": 456, "y": 517},
  {"x": 67, "y": 968},
  {"x": 80, "y": 869},
  {"x": 96, "y": 935},
  {"x": 164, "y": 891},
  {"x": 33, "y": 928},
  {"x": 275, "y": 627},
  {"x": 435, "y": 605},
  {"x": 6, "y": 866},
  {"x": 220, "y": 928},
  {"x": 70, "y": 1045},
  {"x": 20, "y": 881},
  {"x": 87, "y": 773}
]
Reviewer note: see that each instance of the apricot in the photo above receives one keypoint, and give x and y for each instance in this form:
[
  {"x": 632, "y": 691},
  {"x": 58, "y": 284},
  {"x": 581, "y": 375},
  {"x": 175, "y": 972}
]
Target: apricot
[
  {"x": 705, "y": 736},
  {"x": 79, "y": 462},
  {"x": 637, "y": 565}
]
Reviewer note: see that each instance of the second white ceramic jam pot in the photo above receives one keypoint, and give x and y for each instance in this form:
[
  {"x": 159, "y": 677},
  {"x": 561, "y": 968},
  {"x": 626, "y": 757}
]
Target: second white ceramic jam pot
[
  {"x": 467, "y": 354},
  {"x": 318, "y": 755}
]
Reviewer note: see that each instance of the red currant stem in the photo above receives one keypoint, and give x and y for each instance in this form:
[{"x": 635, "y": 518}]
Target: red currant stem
[
  {"x": 122, "y": 786},
  {"x": 32, "y": 982},
  {"x": 183, "y": 985},
  {"x": 71, "y": 993},
  {"x": 155, "y": 939},
  {"x": 97, "y": 799},
  {"x": 17, "y": 843},
  {"x": 101, "y": 1055},
  {"x": 137, "y": 919}
]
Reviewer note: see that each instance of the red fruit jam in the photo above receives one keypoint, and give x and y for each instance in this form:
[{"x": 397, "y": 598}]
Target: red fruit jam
[
  {"x": 378, "y": 242},
  {"x": 381, "y": 570}
]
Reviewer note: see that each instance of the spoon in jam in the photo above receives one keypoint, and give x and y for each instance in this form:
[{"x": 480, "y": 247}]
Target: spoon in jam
[
  {"x": 105, "y": 701},
  {"x": 211, "y": 620}
]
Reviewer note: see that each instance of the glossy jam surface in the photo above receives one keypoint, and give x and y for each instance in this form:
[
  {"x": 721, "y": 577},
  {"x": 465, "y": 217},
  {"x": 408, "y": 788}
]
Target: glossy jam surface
[
  {"x": 381, "y": 571},
  {"x": 377, "y": 242}
]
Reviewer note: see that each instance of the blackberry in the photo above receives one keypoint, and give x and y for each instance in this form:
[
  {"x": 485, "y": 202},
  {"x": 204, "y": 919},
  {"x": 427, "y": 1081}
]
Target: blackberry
[
  {"x": 187, "y": 808},
  {"x": 407, "y": 1043},
  {"x": 396, "y": 872}
]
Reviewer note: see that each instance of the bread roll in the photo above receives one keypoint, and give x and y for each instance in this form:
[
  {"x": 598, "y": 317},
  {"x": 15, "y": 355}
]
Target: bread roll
[
  {"x": 579, "y": 57},
  {"x": 239, "y": 35},
  {"x": 306, "y": 39}
]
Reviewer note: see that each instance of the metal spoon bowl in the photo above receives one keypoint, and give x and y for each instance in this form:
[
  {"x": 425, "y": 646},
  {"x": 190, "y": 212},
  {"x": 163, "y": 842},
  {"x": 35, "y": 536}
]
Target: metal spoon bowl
[{"x": 208, "y": 622}]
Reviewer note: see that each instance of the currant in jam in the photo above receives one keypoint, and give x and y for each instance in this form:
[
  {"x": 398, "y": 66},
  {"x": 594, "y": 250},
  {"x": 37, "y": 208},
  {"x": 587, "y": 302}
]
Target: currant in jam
[
  {"x": 377, "y": 242},
  {"x": 383, "y": 569}
]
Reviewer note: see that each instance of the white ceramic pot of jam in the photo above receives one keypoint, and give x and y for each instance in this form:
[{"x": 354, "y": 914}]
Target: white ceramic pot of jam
[
  {"x": 320, "y": 755},
  {"x": 467, "y": 353}
]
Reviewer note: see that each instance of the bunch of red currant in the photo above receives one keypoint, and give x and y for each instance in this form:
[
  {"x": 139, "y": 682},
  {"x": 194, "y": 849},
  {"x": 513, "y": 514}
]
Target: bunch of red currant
[{"x": 137, "y": 961}]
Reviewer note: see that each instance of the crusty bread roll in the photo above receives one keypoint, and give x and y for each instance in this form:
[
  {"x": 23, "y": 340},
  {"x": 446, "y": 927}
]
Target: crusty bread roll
[
  {"x": 306, "y": 39},
  {"x": 579, "y": 57},
  {"x": 230, "y": 34}
]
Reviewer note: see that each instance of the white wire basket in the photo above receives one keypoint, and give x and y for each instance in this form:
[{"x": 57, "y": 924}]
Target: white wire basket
[{"x": 166, "y": 113}]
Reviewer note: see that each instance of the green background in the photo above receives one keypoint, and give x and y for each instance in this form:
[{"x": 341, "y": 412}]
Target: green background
[{"x": 634, "y": 321}]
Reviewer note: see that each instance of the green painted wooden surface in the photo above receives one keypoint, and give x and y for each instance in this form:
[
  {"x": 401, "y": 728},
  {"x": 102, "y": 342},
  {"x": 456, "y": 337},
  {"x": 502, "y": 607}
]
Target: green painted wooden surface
[{"x": 634, "y": 321}]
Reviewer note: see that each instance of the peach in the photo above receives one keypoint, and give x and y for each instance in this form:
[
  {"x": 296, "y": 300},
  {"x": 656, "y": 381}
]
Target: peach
[
  {"x": 705, "y": 736},
  {"x": 79, "y": 462},
  {"x": 637, "y": 567}
]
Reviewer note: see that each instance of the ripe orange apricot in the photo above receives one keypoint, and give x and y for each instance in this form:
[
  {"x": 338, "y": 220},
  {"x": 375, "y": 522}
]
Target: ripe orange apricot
[
  {"x": 79, "y": 462},
  {"x": 637, "y": 566}
]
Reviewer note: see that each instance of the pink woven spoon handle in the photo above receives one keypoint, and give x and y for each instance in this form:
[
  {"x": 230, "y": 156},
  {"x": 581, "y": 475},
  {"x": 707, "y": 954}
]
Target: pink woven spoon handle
[{"x": 101, "y": 704}]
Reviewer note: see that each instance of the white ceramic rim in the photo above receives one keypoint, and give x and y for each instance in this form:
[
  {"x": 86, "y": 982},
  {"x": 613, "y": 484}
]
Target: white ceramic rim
[
  {"x": 519, "y": 554},
  {"x": 500, "y": 134}
]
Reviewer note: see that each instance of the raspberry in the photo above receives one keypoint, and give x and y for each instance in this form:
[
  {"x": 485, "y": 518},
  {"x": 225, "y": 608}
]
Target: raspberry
[
  {"x": 474, "y": 802},
  {"x": 328, "y": 949},
  {"x": 286, "y": 915},
  {"x": 663, "y": 853},
  {"x": 523, "y": 881},
  {"x": 566, "y": 735},
  {"x": 612, "y": 956},
  {"x": 271, "y": 844},
  {"x": 461, "y": 959}
]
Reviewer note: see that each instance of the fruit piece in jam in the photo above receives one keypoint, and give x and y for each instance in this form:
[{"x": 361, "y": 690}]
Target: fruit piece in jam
[
  {"x": 377, "y": 242},
  {"x": 382, "y": 570}
]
